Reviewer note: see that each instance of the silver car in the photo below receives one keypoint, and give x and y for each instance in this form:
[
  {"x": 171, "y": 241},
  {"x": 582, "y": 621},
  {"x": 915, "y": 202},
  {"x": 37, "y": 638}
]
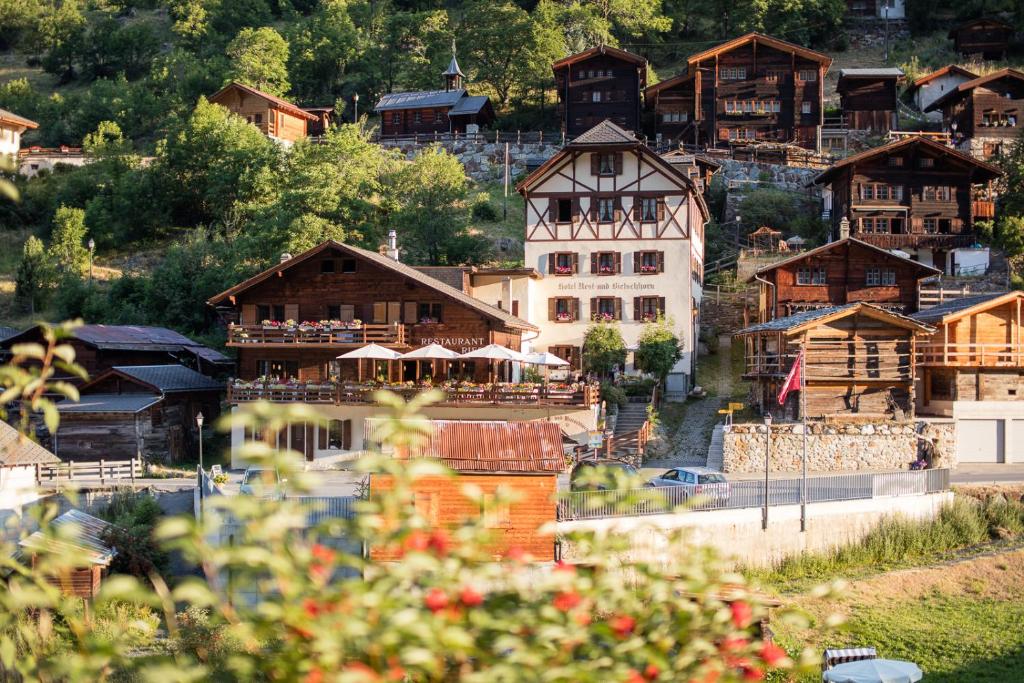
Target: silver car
[
  {"x": 263, "y": 481},
  {"x": 697, "y": 481}
]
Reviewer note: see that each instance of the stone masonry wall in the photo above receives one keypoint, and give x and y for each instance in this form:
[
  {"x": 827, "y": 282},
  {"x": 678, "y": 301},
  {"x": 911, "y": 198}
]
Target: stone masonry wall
[
  {"x": 484, "y": 160},
  {"x": 830, "y": 448}
]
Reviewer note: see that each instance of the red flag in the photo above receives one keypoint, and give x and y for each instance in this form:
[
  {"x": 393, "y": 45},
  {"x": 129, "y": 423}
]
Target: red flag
[{"x": 793, "y": 380}]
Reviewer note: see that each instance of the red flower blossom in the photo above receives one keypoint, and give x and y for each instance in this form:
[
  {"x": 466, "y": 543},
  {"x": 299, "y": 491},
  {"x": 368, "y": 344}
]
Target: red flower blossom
[
  {"x": 732, "y": 644},
  {"x": 516, "y": 554},
  {"x": 440, "y": 542},
  {"x": 634, "y": 677},
  {"x": 322, "y": 553},
  {"x": 741, "y": 614},
  {"x": 315, "y": 675},
  {"x": 416, "y": 541},
  {"x": 470, "y": 597},
  {"x": 584, "y": 618},
  {"x": 562, "y": 566},
  {"x": 367, "y": 674},
  {"x": 772, "y": 654},
  {"x": 651, "y": 672},
  {"x": 752, "y": 673},
  {"x": 566, "y": 600},
  {"x": 435, "y": 600},
  {"x": 312, "y": 607},
  {"x": 622, "y": 625},
  {"x": 396, "y": 673}
]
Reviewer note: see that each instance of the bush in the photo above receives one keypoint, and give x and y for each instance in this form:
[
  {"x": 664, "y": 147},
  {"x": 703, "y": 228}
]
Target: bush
[
  {"x": 485, "y": 211},
  {"x": 202, "y": 637},
  {"x": 134, "y": 515},
  {"x": 637, "y": 386},
  {"x": 613, "y": 395},
  {"x": 116, "y": 619}
]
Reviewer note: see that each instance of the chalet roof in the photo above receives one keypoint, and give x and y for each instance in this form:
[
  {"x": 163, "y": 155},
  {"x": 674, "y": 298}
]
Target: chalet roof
[
  {"x": 678, "y": 156},
  {"x": 109, "y": 403},
  {"x": 926, "y": 271},
  {"x": 164, "y": 379},
  {"x": 948, "y": 69},
  {"x": 273, "y": 99},
  {"x": 761, "y": 38},
  {"x": 419, "y": 98},
  {"x": 496, "y": 447},
  {"x": 6, "y": 332},
  {"x": 386, "y": 263},
  {"x": 600, "y": 50},
  {"x": 988, "y": 171},
  {"x": 11, "y": 118},
  {"x": 978, "y": 22},
  {"x": 471, "y": 104},
  {"x": 887, "y": 72},
  {"x": 953, "y": 309},
  {"x": 17, "y": 450},
  {"x": 668, "y": 83},
  {"x": 962, "y": 89},
  {"x": 87, "y": 538},
  {"x": 798, "y": 322},
  {"x": 452, "y": 276}
]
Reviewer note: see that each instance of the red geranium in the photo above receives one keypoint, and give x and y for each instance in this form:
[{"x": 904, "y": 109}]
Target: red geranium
[
  {"x": 470, "y": 597},
  {"x": 772, "y": 654},
  {"x": 440, "y": 542},
  {"x": 741, "y": 614},
  {"x": 634, "y": 677},
  {"x": 416, "y": 541},
  {"x": 651, "y": 672},
  {"x": 566, "y": 600},
  {"x": 752, "y": 673},
  {"x": 435, "y": 600},
  {"x": 622, "y": 625}
]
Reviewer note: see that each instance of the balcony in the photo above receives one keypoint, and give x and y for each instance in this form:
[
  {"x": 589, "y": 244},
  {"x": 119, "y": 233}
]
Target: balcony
[
  {"x": 321, "y": 336},
  {"x": 468, "y": 395},
  {"x": 968, "y": 355},
  {"x": 898, "y": 241},
  {"x": 981, "y": 209}
]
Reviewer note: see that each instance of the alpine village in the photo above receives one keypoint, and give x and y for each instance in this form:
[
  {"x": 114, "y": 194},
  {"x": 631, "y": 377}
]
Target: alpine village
[{"x": 512, "y": 340}]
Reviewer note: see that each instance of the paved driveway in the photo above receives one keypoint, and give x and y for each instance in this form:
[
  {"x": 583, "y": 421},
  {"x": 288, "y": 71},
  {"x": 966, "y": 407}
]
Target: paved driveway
[{"x": 981, "y": 473}]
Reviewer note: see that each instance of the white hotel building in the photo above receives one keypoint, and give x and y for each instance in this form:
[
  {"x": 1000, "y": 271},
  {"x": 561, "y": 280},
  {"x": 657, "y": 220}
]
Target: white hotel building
[{"x": 618, "y": 233}]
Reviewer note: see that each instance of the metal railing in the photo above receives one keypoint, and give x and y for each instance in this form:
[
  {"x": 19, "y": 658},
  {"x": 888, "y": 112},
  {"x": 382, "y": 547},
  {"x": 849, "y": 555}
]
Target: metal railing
[
  {"x": 239, "y": 335},
  {"x": 748, "y": 494},
  {"x": 320, "y": 508},
  {"x": 517, "y": 137}
]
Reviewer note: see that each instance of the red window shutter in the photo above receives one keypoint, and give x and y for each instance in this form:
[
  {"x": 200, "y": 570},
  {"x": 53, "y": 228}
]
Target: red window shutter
[
  {"x": 595, "y": 163},
  {"x": 576, "y": 308},
  {"x": 593, "y": 262},
  {"x": 575, "y": 263},
  {"x": 661, "y": 305},
  {"x": 618, "y": 262},
  {"x": 661, "y": 209},
  {"x": 618, "y": 163},
  {"x": 552, "y": 303},
  {"x": 618, "y": 308},
  {"x": 551, "y": 264},
  {"x": 661, "y": 262},
  {"x": 636, "y": 307}
]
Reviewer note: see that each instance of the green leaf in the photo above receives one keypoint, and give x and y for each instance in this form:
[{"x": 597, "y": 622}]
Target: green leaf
[
  {"x": 51, "y": 416},
  {"x": 7, "y": 651},
  {"x": 29, "y": 350}
]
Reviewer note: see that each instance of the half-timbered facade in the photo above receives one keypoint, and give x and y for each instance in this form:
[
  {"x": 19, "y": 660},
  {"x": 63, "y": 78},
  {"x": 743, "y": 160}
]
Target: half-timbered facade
[
  {"x": 989, "y": 38},
  {"x": 599, "y": 83},
  {"x": 869, "y": 98},
  {"x": 757, "y": 88},
  {"x": 618, "y": 234},
  {"x": 930, "y": 87},
  {"x": 915, "y": 195},
  {"x": 986, "y": 114},
  {"x": 838, "y": 273},
  {"x": 277, "y": 118}
]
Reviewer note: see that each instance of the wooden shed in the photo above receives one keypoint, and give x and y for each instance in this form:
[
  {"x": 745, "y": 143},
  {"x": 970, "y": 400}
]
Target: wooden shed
[
  {"x": 859, "y": 361},
  {"x": 79, "y": 537},
  {"x": 869, "y": 98},
  {"x": 276, "y": 117},
  {"x": 520, "y": 458},
  {"x": 988, "y": 37}
]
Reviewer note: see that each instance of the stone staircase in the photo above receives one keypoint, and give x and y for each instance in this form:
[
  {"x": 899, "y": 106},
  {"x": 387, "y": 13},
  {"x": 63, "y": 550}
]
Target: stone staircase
[{"x": 716, "y": 449}]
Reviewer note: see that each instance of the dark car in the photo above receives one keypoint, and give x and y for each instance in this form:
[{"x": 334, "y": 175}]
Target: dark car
[{"x": 600, "y": 475}]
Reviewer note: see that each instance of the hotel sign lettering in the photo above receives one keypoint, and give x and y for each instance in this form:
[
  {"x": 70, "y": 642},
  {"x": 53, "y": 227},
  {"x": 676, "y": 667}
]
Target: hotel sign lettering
[
  {"x": 590, "y": 286},
  {"x": 460, "y": 344}
]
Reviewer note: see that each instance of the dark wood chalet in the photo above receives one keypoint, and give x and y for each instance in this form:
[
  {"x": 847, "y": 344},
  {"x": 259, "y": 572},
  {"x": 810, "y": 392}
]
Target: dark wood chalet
[
  {"x": 841, "y": 272},
  {"x": 146, "y": 411},
  {"x": 524, "y": 458},
  {"x": 671, "y": 109},
  {"x": 916, "y": 195},
  {"x": 599, "y": 83},
  {"x": 986, "y": 114},
  {"x": 988, "y": 37},
  {"x": 427, "y": 112},
  {"x": 276, "y": 117},
  {"x": 756, "y": 88},
  {"x": 859, "y": 361},
  {"x": 868, "y": 98}
]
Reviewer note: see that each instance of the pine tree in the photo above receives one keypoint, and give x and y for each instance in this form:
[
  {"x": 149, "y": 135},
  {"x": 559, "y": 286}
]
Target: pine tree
[{"x": 67, "y": 242}]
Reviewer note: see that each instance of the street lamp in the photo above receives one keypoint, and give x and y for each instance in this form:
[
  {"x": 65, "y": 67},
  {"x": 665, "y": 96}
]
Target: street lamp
[
  {"x": 738, "y": 218},
  {"x": 355, "y": 102},
  {"x": 767, "y": 454},
  {"x": 92, "y": 250},
  {"x": 199, "y": 423}
]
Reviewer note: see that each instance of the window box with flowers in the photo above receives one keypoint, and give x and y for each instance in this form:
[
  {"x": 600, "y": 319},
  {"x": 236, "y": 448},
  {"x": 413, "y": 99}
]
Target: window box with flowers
[
  {"x": 563, "y": 317},
  {"x": 603, "y": 318}
]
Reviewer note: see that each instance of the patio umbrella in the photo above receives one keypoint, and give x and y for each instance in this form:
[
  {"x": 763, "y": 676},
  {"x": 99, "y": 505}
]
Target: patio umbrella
[
  {"x": 548, "y": 360},
  {"x": 494, "y": 352},
  {"x": 430, "y": 352},
  {"x": 369, "y": 352},
  {"x": 874, "y": 671}
]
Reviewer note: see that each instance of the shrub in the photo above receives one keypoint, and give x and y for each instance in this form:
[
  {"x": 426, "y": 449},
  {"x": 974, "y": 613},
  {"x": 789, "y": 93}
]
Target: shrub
[
  {"x": 613, "y": 395},
  {"x": 483, "y": 210},
  {"x": 134, "y": 515},
  {"x": 137, "y": 623},
  {"x": 203, "y": 637}
]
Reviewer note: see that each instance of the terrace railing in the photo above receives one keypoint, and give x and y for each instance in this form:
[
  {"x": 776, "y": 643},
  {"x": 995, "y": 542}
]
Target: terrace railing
[
  {"x": 267, "y": 335},
  {"x": 748, "y": 494},
  {"x": 89, "y": 470},
  {"x": 971, "y": 355}
]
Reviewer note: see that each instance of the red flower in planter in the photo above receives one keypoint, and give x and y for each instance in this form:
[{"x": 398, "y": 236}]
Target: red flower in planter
[
  {"x": 622, "y": 625},
  {"x": 563, "y": 566},
  {"x": 470, "y": 597},
  {"x": 416, "y": 541},
  {"x": 323, "y": 559},
  {"x": 741, "y": 613},
  {"x": 315, "y": 675},
  {"x": 772, "y": 654},
  {"x": 440, "y": 542},
  {"x": 566, "y": 600},
  {"x": 435, "y": 600},
  {"x": 651, "y": 672}
]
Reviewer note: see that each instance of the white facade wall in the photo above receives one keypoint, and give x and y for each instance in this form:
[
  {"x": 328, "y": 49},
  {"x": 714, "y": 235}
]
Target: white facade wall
[
  {"x": 933, "y": 90},
  {"x": 508, "y": 292},
  {"x": 10, "y": 139},
  {"x": 892, "y": 9},
  {"x": 678, "y": 235},
  {"x": 17, "y": 489}
]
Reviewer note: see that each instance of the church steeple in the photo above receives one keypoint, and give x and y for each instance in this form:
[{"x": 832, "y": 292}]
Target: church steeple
[{"x": 453, "y": 74}]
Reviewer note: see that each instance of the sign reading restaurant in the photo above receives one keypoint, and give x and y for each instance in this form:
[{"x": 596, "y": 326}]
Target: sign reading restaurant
[{"x": 460, "y": 344}]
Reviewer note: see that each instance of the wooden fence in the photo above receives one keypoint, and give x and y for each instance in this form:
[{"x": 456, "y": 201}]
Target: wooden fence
[{"x": 91, "y": 470}]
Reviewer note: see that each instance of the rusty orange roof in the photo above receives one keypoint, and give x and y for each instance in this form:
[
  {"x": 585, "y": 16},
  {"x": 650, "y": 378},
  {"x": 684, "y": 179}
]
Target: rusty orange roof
[{"x": 495, "y": 447}]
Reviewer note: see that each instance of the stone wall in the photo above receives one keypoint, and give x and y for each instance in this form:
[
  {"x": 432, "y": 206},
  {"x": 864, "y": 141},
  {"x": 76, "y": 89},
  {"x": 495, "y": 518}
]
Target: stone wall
[
  {"x": 830, "y": 448},
  {"x": 484, "y": 161}
]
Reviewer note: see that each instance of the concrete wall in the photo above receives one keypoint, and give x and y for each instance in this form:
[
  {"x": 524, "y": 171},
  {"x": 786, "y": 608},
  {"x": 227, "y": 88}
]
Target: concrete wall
[{"x": 736, "y": 535}]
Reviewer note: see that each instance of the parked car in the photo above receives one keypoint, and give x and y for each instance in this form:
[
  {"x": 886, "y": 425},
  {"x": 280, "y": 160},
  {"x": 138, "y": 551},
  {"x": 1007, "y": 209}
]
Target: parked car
[
  {"x": 697, "y": 481},
  {"x": 600, "y": 475},
  {"x": 263, "y": 481}
]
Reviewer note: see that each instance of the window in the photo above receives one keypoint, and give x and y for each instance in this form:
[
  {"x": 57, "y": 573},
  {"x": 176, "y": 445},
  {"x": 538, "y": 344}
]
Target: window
[
  {"x": 595, "y": 96},
  {"x": 417, "y": 117},
  {"x": 327, "y": 266},
  {"x": 273, "y": 312},
  {"x": 675, "y": 117},
  {"x": 429, "y": 313},
  {"x": 606, "y": 164},
  {"x": 605, "y": 308},
  {"x": 606, "y": 209},
  {"x": 564, "y": 309},
  {"x": 649, "y": 209},
  {"x": 807, "y": 75},
  {"x": 258, "y": 118},
  {"x": 649, "y": 262},
  {"x": 732, "y": 73},
  {"x": 497, "y": 515},
  {"x": 774, "y": 75},
  {"x": 936, "y": 193},
  {"x": 926, "y": 162},
  {"x": 605, "y": 263},
  {"x": 564, "y": 209},
  {"x": 336, "y": 436},
  {"x": 811, "y": 276},
  {"x": 805, "y": 107},
  {"x": 564, "y": 263},
  {"x": 348, "y": 265},
  {"x": 438, "y": 117},
  {"x": 647, "y": 308},
  {"x": 931, "y": 226},
  {"x": 895, "y": 162},
  {"x": 992, "y": 149},
  {"x": 881, "y": 191},
  {"x": 567, "y": 353},
  {"x": 396, "y": 118},
  {"x": 875, "y": 277},
  {"x": 280, "y": 369}
]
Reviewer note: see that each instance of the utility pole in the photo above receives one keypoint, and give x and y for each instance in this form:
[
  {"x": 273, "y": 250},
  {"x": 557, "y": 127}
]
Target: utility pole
[{"x": 504, "y": 203}]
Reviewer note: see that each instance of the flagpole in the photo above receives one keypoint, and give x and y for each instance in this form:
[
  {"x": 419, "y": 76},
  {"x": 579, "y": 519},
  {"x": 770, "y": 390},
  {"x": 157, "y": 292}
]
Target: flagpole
[{"x": 803, "y": 417}]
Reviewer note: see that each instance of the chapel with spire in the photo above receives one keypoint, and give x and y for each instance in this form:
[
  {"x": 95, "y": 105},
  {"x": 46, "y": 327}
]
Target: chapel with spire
[{"x": 450, "y": 111}]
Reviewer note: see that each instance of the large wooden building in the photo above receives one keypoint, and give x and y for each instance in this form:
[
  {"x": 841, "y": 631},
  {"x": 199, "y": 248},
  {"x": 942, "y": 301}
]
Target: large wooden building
[
  {"x": 989, "y": 38},
  {"x": 985, "y": 114},
  {"x": 915, "y": 195},
  {"x": 869, "y": 98},
  {"x": 517, "y": 461},
  {"x": 838, "y": 273},
  {"x": 859, "y": 361},
  {"x": 748, "y": 89},
  {"x": 600, "y": 83},
  {"x": 276, "y": 117}
]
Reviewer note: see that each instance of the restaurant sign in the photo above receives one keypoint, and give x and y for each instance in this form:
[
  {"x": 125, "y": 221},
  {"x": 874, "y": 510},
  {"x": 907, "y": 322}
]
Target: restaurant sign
[{"x": 460, "y": 344}]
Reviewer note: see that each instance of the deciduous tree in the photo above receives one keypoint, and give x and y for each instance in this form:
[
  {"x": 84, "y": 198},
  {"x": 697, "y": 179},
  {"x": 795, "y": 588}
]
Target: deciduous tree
[
  {"x": 34, "y": 275},
  {"x": 603, "y": 348},
  {"x": 67, "y": 242},
  {"x": 658, "y": 349},
  {"x": 259, "y": 58}
]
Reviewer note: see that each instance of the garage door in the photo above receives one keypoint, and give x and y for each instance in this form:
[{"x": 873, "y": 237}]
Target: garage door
[{"x": 979, "y": 440}]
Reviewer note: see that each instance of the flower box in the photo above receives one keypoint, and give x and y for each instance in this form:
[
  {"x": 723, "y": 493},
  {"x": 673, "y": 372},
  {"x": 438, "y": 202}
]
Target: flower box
[
  {"x": 563, "y": 270},
  {"x": 648, "y": 269},
  {"x": 563, "y": 317}
]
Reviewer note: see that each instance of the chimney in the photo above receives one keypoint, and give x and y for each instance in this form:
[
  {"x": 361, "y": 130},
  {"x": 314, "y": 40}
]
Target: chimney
[
  {"x": 285, "y": 256},
  {"x": 392, "y": 251},
  {"x": 506, "y": 294},
  {"x": 844, "y": 228}
]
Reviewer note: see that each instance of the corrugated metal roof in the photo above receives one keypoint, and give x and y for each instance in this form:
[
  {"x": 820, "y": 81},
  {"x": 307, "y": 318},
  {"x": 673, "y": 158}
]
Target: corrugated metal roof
[
  {"x": 419, "y": 98},
  {"x": 133, "y": 338},
  {"x": 17, "y": 450},
  {"x": 605, "y": 133},
  {"x": 170, "y": 378},
  {"x": 110, "y": 403},
  {"x": 468, "y": 105},
  {"x": 86, "y": 537},
  {"x": 954, "y": 306},
  {"x": 7, "y": 332},
  {"x": 888, "y": 72}
]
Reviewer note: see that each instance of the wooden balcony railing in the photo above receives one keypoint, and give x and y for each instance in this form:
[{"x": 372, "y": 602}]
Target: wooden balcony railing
[
  {"x": 983, "y": 209},
  {"x": 955, "y": 354},
  {"x": 584, "y": 395},
  {"x": 394, "y": 335},
  {"x": 890, "y": 241}
]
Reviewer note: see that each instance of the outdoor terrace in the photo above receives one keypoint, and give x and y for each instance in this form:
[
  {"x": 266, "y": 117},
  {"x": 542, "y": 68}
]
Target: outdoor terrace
[{"x": 342, "y": 335}]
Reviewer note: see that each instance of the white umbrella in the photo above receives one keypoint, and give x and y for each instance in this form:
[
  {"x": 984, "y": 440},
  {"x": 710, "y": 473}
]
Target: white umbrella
[
  {"x": 874, "y": 671},
  {"x": 545, "y": 358},
  {"x": 430, "y": 352},
  {"x": 372, "y": 352},
  {"x": 494, "y": 352}
]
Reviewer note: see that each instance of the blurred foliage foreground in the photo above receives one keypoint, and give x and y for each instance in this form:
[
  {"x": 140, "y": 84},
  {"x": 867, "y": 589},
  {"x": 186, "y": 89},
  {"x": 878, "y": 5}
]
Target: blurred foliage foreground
[{"x": 278, "y": 604}]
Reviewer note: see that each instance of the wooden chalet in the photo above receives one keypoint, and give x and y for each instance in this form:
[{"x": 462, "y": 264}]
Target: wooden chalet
[
  {"x": 101, "y": 347},
  {"x": 916, "y": 195},
  {"x": 597, "y": 84},
  {"x": 521, "y": 460},
  {"x": 754, "y": 88},
  {"x": 988, "y": 37},
  {"x": 986, "y": 114},
  {"x": 869, "y": 98},
  {"x": 930, "y": 87},
  {"x": 277, "y": 118},
  {"x": 859, "y": 361},
  {"x": 671, "y": 106},
  {"x": 452, "y": 110},
  {"x": 838, "y": 273},
  {"x": 146, "y": 411},
  {"x": 324, "y": 120},
  {"x": 79, "y": 538}
]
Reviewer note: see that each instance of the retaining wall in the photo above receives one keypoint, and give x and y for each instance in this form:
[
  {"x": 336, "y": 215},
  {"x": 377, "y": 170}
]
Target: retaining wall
[{"x": 484, "y": 161}]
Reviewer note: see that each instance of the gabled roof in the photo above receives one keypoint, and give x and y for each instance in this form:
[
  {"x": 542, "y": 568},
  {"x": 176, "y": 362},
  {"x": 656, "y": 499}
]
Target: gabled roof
[
  {"x": 419, "y": 98},
  {"x": 131, "y": 338},
  {"x": 987, "y": 169},
  {"x": 162, "y": 379},
  {"x": 18, "y": 450},
  {"x": 273, "y": 99},
  {"x": 11, "y": 118},
  {"x": 386, "y": 263},
  {"x": 960, "y": 91},
  {"x": 605, "y": 133},
  {"x": 978, "y": 22},
  {"x": 948, "y": 69},
  {"x": 954, "y": 309},
  {"x": 887, "y": 72},
  {"x": 798, "y": 322},
  {"x": 926, "y": 271},
  {"x": 599, "y": 50},
  {"x": 109, "y": 403},
  {"x": 495, "y": 447},
  {"x": 668, "y": 83},
  {"x": 764, "y": 40},
  {"x": 471, "y": 104}
]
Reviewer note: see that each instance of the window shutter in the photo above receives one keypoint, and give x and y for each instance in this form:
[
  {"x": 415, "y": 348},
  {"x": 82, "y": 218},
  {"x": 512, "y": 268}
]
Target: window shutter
[
  {"x": 575, "y": 263},
  {"x": 593, "y": 209},
  {"x": 636, "y": 261},
  {"x": 551, "y": 264},
  {"x": 636, "y": 308},
  {"x": 956, "y": 225},
  {"x": 291, "y": 312},
  {"x": 552, "y": 209},
  {"x": 593, "y": 308},
  {"x": 618, "y": 262},
  {"x": 637, "y": 206},
  {"x": 661, "y": 209},
  {"x": 723, "y": 133},
  {"x": 595, "y": 163},
  {"x": 321, "y": 436},
  {"x": 575, "y": 308},
  {"x": 346, "y": 435},
  {"x": 661, "y": 262},
  {"x": 577, "y": 357},
  {"x": 249, "y": 314},
  {"x": 661, "y": 305},
  {"x": 618, "y": 308},
  {"x": 917, "y": 224},
  {"x": 618, "y": 209},
  {"x": 618, "y": 163},
  {"x": 575, "y": 209},
  {"x": 551, "y": 308},
  {"x": 411, "y": 312}
]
